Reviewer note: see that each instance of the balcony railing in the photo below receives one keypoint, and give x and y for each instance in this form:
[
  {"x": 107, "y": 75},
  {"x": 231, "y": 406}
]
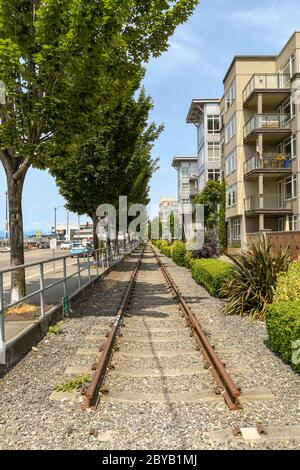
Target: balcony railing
[
  {"x": 268, "y": 161},
  {"x": 271, "y": 202},
  {"x": 266, "y": 82},
  {"x": 266, "y": 122}
]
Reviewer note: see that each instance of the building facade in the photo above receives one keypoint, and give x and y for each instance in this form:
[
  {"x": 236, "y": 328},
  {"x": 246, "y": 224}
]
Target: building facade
[
  {"x": 187, "y": 180},
  {"x": 205, "y": 115},
  {"x": 260, "y": 141},
  {"x": 167, "y": 206}
]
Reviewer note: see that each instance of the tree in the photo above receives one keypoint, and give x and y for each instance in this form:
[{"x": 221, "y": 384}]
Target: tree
[
  {"x": 56, "y": 59},
  {"x": 114, "y": 163},
  {"x": 211, "y": 198}
]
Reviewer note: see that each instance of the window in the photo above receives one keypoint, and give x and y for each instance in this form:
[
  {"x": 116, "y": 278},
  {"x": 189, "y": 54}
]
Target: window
[
  {"x": 231, "y": 196},
  {"x": 230, "y": 95},
  {"x": 231, "y": 163},
  {"x": 289, "y": 146},
  {"x": 214, "y": 175},
  {"x": 185, "y": 188},
  {"x": 289, "y": 106},
  {"x": 293, "y": 222},
  {"x": 289, "y": 68},
  {"x": 290, "y": 187},
  {"x": 213, "y": 123},
  {"x": 236, "y": 229},
  {"x": 230, "y": 130},
  {"x": 185, "y": 172},
  {"x": 214, "y": 152}
]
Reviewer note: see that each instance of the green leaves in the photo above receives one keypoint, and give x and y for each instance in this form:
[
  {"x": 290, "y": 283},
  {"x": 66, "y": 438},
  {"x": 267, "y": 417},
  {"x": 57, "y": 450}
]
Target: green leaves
[{"x": 253, "y": 281}]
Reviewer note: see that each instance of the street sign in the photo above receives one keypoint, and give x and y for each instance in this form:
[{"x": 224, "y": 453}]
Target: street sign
[
  {"x": 53, "y": 244},
  {"x": 66, "y": 306}
]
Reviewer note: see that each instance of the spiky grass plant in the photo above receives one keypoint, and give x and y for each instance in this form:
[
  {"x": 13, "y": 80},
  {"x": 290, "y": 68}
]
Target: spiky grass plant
[{"x": 254, "y": 277}]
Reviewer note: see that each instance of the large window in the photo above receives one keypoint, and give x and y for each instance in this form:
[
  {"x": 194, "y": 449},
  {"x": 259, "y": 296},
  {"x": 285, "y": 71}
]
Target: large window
[
  {"x": 289, "y": 68},
  {"x": 214, "y": 152},
  {"x": 214, "y": 175},
  {"x": 185, "y": 188},
  {"x": 230, "y": 95},
  {"x": 293, "y": 223},
  {"x": 236, "y": 229},
  {"x": 213, "y": 124},
  {"x": 289, "y": 146},
  {"x": 289, "y": 106},
  {"x": 230, "y": 129},
  {"x": 290, "y": 187},
  {"x": 231, "y": 196},
  {"x": 231, "y": 163}
]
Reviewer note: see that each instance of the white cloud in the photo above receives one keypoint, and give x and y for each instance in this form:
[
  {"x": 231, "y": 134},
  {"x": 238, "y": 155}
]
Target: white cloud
[{"x": 274, "y": 21}]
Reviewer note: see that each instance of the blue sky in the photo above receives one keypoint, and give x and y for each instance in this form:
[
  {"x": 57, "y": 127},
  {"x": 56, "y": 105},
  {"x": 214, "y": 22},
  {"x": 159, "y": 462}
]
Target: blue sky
[{"x": 194, "y": 66}]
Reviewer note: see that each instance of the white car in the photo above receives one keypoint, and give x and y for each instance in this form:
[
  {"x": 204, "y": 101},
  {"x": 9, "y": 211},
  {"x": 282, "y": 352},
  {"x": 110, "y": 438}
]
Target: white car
[{"x": 66, "y": 246}]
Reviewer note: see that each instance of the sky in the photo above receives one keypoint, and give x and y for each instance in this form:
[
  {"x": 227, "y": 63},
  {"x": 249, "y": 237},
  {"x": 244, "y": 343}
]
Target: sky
[{"x": 199, "y": 55}]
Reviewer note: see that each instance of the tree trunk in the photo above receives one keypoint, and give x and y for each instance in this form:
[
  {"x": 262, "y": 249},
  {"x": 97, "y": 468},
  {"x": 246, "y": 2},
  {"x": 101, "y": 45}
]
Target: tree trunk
[
  {"x": 15, "y": 190},
  {"x": 95, "y": 235}
]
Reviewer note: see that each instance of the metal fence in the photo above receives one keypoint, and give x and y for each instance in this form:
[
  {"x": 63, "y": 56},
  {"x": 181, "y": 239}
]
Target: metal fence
[{"x": 101, "y": 260}]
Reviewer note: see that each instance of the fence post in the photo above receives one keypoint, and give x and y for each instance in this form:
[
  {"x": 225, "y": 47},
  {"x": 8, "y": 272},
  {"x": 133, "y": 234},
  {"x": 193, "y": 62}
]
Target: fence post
[
  {"x": 65, "y": 277},
  {"x": 42, "y": 293},
  {"x": 78, "y": 272},
  {"x": 2, "y": 330},
  {"x": 97, "y": 261},
  {"x": 89, "y": 267}
]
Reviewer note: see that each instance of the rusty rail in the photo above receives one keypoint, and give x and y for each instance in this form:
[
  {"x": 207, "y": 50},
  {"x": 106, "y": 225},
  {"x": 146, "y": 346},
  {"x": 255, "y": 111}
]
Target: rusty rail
[
  {"x": 93, "y": 391},
  {"x": 225, "y": 385}
]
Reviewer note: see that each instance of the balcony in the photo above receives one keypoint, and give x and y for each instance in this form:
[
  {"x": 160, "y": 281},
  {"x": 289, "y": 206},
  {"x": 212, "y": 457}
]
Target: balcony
[
  {"x": 274, "y": 127},
  {"x": 276, "y": 87},
  {"x": 267, "y": 203},
  {"x": 270, "y": 164}
]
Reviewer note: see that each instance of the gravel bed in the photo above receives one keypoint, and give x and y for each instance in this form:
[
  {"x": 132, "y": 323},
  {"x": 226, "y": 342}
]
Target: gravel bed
[
  {"x": 200, "y": 382},
  {"x": 29, "y": 420}
]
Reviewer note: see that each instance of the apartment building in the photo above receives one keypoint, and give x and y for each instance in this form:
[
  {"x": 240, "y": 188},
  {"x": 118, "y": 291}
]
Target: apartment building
[
  {"x": 187, "y": 180},
  {"x": 167, "y": 206},
  {"x": 260, "y": 116},
  {"x": 205, "y": 115}
]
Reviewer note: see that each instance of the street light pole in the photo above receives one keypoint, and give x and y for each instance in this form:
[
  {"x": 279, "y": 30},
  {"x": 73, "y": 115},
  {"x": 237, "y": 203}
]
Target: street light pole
[{"x": 67, "y": 236}]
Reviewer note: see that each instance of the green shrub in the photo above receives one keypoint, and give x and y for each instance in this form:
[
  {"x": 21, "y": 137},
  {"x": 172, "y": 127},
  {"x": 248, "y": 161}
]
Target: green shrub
[
  {"x": 167, "y": 251},
  {"x": 283, "y": 325},
  {"x": 188, "y": 257},
  {"x": 211, "y": 274},
  {"x": 288, "y": 284},
  {"x": 253, "y": 280},
  {"x": 158, "y": 244},
  {"x": 178, "y": 253}
]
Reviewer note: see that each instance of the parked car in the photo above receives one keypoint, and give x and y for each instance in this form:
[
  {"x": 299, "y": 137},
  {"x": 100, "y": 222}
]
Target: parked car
[
  {"x": 77, "y": 249},
  {"x": 66, "y": 246}
]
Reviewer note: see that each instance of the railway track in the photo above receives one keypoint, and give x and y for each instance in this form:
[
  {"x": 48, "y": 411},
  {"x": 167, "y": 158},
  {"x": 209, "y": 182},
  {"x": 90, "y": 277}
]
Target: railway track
[{"x": 153, "y": 329}]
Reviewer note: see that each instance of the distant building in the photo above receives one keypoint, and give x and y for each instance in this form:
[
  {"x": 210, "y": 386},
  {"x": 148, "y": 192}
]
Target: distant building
[
  {"x": 187, "y": 181},
  {"x": 166, "y": 207},
  {"x": 205, "y": 114}
]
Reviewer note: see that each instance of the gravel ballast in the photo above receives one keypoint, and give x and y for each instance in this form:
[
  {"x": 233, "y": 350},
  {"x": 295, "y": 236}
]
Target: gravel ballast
[{"x": 30, "y": 420}]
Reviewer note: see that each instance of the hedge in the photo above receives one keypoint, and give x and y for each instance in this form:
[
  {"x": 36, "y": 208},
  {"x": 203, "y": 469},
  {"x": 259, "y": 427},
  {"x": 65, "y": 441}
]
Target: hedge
[
  {"x": 188, "y": 258},
  {"x": 283, "y": 325},
  {"x": 211, "y": 274},
  {"x": 178, "y": 253},
  {"x": 288, "y": 284},
  {"x": 167, "y": 251}
]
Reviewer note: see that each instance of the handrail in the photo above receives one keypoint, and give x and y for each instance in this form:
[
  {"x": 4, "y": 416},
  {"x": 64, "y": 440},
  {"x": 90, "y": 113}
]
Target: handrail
[
  {"x": 282, "y": 82},
  {"x": 111, "y": 255}
]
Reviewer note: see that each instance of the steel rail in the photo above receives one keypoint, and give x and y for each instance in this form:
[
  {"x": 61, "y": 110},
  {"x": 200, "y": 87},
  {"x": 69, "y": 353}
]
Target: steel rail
[
  {"x": 225, "y": 385},
  {"x": 93, "y": 391}
]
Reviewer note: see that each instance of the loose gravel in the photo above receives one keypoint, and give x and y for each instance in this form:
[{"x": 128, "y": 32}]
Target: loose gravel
[{"x": 29, "y": 420}]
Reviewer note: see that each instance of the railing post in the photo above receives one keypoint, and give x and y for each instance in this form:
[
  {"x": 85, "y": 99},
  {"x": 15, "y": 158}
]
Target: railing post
[
  {"x": 97, "y": 261},
  {"x": 42, "y": 293},
  {"x": 65, "y": 277},
  {"x": 89, "y": 267},
  {"x": 2, "y": 329},
  {"x": 78, "y": 272}
]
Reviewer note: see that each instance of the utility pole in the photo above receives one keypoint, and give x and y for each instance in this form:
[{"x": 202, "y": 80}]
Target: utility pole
[{"x": 67, "y": 236}]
